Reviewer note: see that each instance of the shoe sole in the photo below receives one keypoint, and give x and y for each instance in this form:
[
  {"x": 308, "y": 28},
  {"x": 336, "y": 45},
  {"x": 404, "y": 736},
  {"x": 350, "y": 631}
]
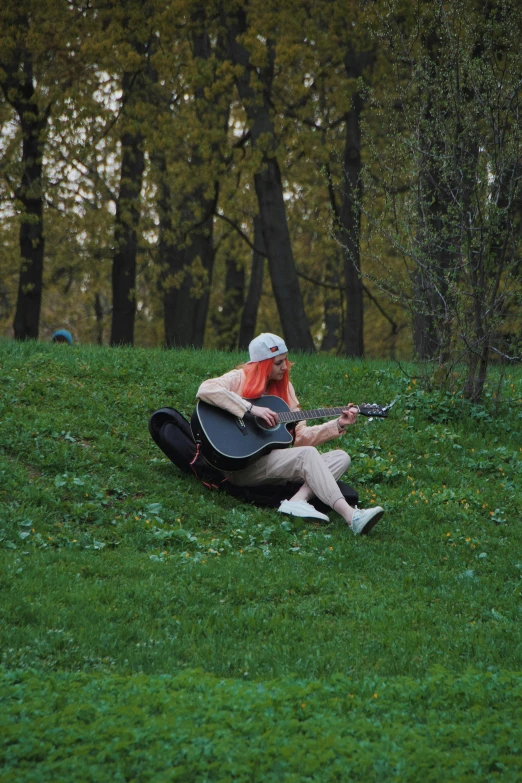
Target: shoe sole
[
  {"x": 323, "y": 517},
  {"x": 371, "y": 523}
]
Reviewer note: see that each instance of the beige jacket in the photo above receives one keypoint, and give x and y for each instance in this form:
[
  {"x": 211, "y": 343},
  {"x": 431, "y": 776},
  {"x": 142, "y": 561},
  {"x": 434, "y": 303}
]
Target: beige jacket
[{"x": 225, "y": 392}]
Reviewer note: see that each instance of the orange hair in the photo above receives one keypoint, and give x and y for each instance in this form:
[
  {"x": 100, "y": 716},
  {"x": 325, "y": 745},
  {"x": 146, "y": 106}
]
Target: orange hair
[{"x": 257, "y": 383}]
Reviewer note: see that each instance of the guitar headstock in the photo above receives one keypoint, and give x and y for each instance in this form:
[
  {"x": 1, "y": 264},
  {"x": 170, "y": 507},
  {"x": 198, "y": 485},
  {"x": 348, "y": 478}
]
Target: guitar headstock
[{"x": 372, "y": 410}]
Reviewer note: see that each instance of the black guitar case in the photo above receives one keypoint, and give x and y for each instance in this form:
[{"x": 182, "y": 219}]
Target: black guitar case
[{"x": 171, "y": 432}]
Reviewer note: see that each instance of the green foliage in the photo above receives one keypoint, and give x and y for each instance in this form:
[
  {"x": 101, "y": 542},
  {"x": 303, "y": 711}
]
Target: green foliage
[
  {"x": 443, "y": 184},
  {"x": 194, "y": 726},
  {"x": 150, "y": 627}
]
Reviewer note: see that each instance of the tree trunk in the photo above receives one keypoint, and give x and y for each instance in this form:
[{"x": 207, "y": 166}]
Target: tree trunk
[
  {"x": 98, "y": 312},
  {"x": 188, "y": 258},
  {"x": 18, "y": 89},
  {"x": 281, "y": 264},
  {"x": 269, "y": 190},
  {"x": 424, "y": 329},
  {"x": 226, "y": 320},
  {"x": 255, "y": 287},
  {"x": 355, "y": 64},
  {"x": 353, "y": 336},
  {"x": 187, "y": 289},
  {"x": 187, "y": 265},
  {"x": 126, "y": 233},
  {"x": 332, "y": 307},
  {"x": 443, "y": 228},
  {"x": 437, "y": 244}
]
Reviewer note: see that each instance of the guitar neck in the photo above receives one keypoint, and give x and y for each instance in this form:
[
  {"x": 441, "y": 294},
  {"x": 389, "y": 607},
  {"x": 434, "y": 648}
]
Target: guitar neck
[{"x": 317, "y": 413}]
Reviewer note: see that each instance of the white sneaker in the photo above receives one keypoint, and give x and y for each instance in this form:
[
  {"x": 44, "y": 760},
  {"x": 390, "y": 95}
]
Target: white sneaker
[
  {"x": 364, "y": 519},
  {"x": 300, "y": 508}
]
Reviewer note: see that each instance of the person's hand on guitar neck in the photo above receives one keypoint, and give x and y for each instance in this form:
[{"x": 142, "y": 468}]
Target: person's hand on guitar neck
[
  {"x": 266, "y": 414},
  {"x": 348, "y": 416}
]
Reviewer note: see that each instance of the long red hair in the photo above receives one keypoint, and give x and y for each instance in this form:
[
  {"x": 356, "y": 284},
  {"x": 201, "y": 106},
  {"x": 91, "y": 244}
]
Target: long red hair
[{"x": 257, "y": 381}]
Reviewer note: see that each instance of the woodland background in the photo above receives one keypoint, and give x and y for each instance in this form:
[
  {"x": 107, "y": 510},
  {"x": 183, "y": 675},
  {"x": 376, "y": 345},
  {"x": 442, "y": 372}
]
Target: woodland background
[{"x": 189, "y": 173}]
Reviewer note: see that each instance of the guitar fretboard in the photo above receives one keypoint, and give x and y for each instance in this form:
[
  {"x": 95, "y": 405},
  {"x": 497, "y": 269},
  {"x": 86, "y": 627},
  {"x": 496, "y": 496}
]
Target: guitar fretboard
[{"x": 318, "y": 413}]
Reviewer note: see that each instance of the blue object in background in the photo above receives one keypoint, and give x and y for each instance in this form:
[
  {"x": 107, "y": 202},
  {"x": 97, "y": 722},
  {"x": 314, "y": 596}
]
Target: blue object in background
[{"x": 61, "y": 336}]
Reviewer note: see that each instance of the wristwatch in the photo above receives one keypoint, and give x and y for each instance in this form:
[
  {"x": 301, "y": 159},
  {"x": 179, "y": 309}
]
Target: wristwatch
[{"x": 340, "y": 428}]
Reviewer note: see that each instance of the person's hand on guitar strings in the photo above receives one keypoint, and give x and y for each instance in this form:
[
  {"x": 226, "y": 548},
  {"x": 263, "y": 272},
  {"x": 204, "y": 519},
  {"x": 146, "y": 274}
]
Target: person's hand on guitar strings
[
  {"x": 348, "y": 416},
  {"x": 266, "y": 414}
]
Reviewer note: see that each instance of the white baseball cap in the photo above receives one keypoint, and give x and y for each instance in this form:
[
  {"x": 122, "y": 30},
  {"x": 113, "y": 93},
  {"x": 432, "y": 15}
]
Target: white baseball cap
[{"x": 266, "y": 346}]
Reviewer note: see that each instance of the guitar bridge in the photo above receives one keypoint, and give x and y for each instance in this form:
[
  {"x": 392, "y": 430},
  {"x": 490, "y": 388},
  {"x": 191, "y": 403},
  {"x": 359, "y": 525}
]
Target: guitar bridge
[{"x": 242, "y": 426}]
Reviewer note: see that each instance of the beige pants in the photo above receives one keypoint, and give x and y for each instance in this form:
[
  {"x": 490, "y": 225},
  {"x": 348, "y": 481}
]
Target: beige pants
[{"x": 303, "y": 464}]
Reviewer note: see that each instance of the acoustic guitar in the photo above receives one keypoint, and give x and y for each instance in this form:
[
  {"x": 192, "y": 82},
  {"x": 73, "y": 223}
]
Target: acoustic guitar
[{"x": 232, "y": 443}]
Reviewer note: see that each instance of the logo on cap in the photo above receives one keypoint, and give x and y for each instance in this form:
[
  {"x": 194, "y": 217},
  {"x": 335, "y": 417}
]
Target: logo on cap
[{"x": 274, "y": 348}]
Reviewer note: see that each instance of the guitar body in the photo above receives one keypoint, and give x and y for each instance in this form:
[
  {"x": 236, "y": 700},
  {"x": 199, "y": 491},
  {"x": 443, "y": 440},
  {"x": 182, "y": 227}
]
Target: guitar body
[{"x": 230, "y": 443}]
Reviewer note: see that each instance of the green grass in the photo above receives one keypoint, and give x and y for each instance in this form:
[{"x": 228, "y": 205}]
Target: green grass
[
  {"x": 153, "y": 630},
  {"x": 193, "y": 726}
]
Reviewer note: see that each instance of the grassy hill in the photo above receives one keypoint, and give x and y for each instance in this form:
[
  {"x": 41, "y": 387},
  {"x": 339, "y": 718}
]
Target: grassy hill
[{"x": 154, "y": 630}]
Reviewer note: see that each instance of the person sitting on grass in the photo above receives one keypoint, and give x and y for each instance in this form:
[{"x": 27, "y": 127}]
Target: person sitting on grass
[{"x": 268, "y": 372}]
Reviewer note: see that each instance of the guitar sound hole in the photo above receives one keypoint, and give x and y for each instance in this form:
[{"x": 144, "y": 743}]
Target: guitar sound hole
[{"x": 265, "y": 426}]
